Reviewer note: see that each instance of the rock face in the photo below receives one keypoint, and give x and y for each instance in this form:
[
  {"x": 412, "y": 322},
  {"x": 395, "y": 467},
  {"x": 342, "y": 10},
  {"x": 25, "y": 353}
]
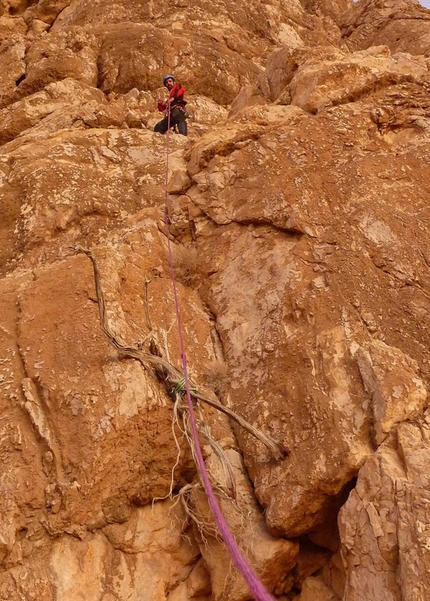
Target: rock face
[
  {"x": 299, "y": 220},
  {"x": 385, "y": 520}
]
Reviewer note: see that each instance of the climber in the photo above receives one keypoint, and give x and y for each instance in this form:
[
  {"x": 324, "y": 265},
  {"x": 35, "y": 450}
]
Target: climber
[{"x": 176, "y": 105}]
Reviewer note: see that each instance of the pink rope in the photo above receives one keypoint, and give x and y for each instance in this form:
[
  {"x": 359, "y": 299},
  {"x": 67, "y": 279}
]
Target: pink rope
[{"x": 255, "y": 585}]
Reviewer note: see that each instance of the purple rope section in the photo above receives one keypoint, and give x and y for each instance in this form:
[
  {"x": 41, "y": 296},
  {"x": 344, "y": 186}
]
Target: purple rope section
[{"x": 255, "y": 585}]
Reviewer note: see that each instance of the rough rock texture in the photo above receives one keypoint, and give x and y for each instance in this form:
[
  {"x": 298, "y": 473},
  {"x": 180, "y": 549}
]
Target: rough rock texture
[
  {"x": 385, "y": 522},
  {"x": 299, "y": 218},
  {"x": 403, "y": 26}
]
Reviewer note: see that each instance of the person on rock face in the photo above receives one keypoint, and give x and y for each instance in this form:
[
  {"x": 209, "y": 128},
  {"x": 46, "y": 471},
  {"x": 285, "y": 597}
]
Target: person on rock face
[{"x": 175, "y": 104}]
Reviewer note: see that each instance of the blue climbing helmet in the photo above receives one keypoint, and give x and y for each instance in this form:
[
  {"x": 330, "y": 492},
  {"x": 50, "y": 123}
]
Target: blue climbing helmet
[{"x": 166, "y": 77}]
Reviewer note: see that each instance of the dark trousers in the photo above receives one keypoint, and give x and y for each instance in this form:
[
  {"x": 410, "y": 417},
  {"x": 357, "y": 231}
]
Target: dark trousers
[{"x": 177, "y": 117}]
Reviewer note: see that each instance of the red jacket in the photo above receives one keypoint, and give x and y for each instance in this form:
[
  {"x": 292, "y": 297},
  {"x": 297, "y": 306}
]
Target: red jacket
[{"x": 177, "y": 93}]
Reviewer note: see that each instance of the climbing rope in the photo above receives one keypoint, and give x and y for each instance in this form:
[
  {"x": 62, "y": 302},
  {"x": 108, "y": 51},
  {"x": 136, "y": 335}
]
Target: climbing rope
[
  {"x": 255, "y": 585},
  {"x": 411, "y": 60}
]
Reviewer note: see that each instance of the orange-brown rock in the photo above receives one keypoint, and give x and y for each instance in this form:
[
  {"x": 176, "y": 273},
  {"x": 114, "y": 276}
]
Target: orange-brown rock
[
  {"x": 403, "y": 25},
  {"x": 299, "y": 225},
  {"x": 385, "y": 523}
]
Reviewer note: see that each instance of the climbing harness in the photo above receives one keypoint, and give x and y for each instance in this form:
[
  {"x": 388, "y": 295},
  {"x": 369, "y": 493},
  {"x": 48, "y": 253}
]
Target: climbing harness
[{"x": 255, "y": 585}]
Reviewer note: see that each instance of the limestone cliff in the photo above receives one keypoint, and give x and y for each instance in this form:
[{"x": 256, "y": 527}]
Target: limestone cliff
[{"x": 299, "y": 209}]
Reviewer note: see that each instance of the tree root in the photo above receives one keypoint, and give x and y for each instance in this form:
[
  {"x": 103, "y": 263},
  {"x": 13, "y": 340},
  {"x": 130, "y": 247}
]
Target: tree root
[{"x": 172, "y": 376}]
